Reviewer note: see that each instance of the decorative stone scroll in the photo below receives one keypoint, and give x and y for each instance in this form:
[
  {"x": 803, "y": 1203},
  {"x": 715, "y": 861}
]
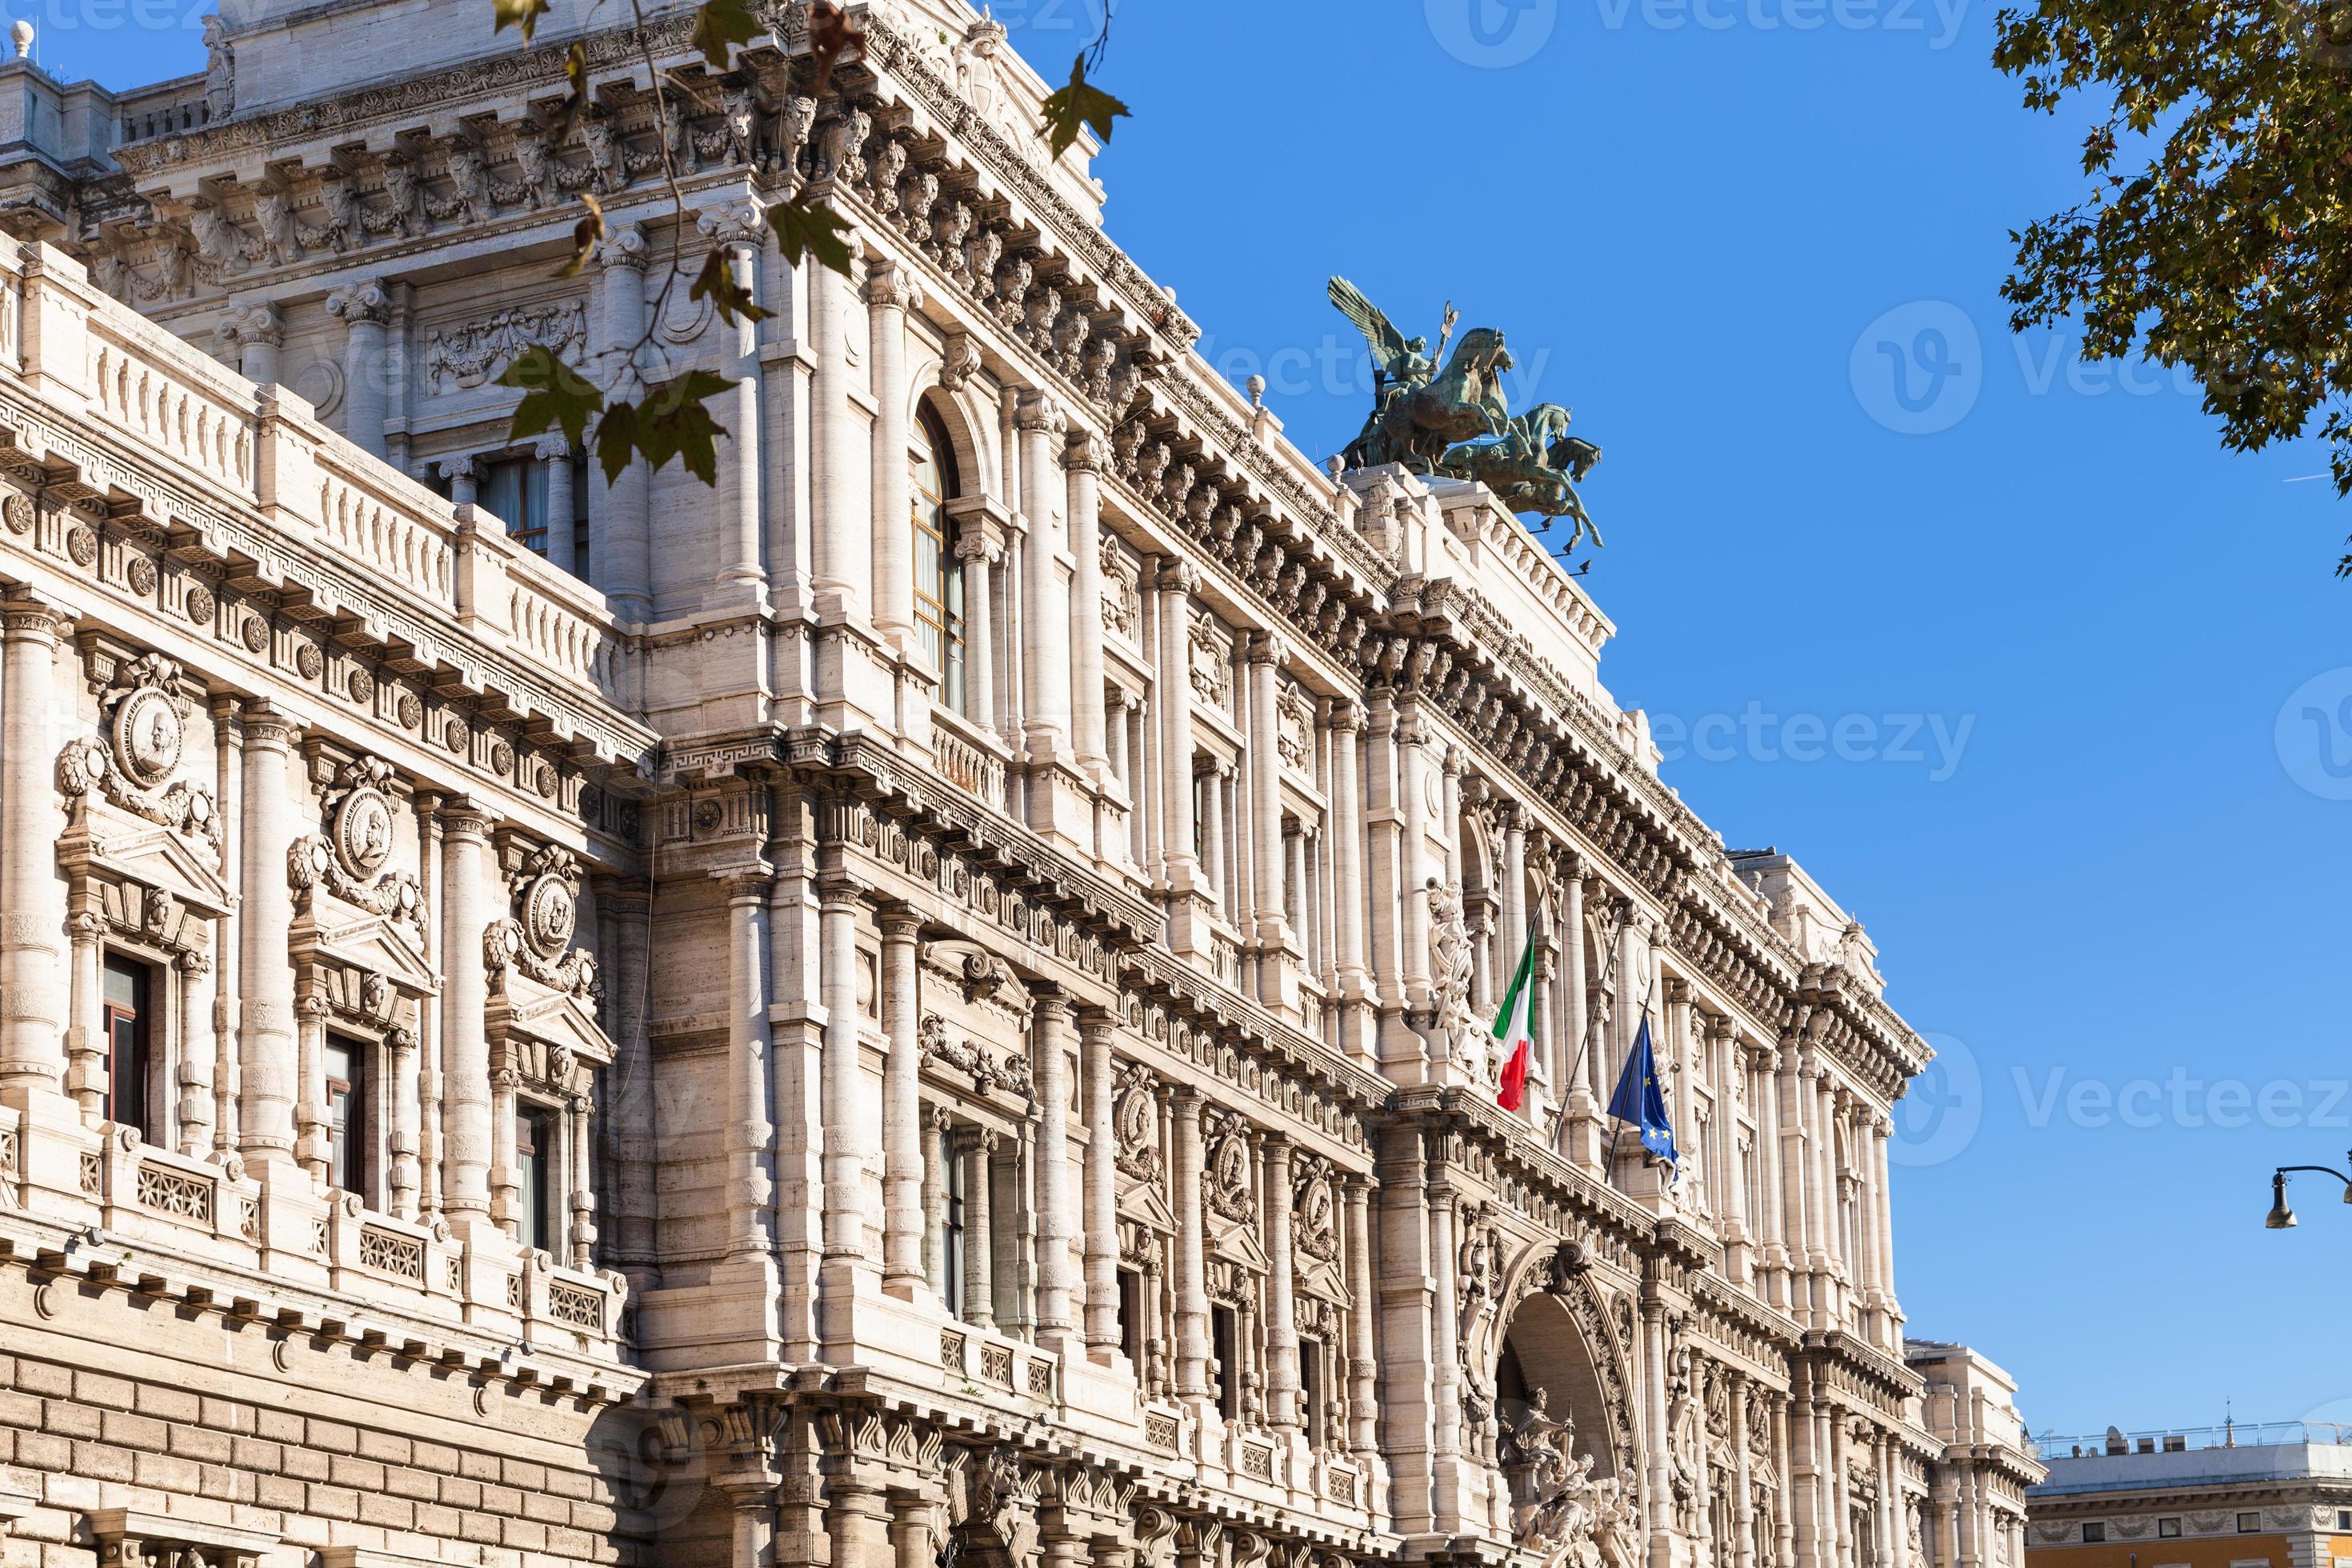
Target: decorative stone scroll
[{"x": 470, "y": 355}]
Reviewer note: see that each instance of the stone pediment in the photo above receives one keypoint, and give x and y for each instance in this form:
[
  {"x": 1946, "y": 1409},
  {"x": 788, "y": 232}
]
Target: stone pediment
[
  {"x": 1147, "y": 1204},
  {"x": 525, "y": 1008},
  {"x": 1238, "y": 1243},
  {"x": 329, "y": 931},
  {"x": 115, "y": 845}
]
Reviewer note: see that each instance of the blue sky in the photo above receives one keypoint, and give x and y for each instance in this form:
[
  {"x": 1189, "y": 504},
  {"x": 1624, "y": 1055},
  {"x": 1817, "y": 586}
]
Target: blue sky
[{"x": 2014, "y": 659}]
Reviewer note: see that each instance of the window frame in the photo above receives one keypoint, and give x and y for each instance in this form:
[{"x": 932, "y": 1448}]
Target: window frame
[
  {"x": 149, "y": 1014},
  {"x": 2094, "y": 1532},
  {"x": 540, "y": 1222},
  {"x": 942, "y": 621},
  {"x": 2253, "y": 1529},
  {"x": 360, "y": 1142}
]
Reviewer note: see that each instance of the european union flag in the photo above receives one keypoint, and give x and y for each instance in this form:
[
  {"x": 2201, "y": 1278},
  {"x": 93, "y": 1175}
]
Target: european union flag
[{"x": 1641, "y": 1101}]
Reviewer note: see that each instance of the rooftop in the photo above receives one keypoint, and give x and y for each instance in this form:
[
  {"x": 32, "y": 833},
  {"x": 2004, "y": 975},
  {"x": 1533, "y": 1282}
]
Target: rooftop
[{"x": 2234, "y": 1451}]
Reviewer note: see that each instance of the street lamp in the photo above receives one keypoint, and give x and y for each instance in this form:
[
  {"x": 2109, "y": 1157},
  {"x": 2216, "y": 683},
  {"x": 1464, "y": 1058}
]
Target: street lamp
[{"x": 2282, "y": 1218}]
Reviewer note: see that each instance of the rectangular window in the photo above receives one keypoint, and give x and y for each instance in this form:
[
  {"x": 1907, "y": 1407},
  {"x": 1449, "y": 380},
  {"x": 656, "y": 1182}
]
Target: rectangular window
[
  {"x": 2343, "y": 1519},
  {"x": 1310, "y": 1391},
  {"x": 515, "y": 488},
  {"x": 351, "y": 1163},
  {"x": 2250, "y": 1524},
  {"x": 2093, "y": 1534},
  {"x": 952, "y": 1241},
  {"x": 2168, "y": 1529},
  {"x": 1130, "y": 1317},
  {"x": 534, "y": 1159},
  {"x": 130, "y": 1045},
  {"x": 1224, "y": 1345}
]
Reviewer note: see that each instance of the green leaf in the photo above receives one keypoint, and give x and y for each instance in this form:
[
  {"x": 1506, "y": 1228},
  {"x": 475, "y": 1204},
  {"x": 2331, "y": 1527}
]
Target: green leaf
[
  {"x": 811, "y": 231},
  {"x": 616, "y": 440},
  {"x": 554, "y": 393},
  {"x": 523, "y": 14},
  {"x": 1079, "y": 103},
  {"x": 716, "y": 282},
  {"x": 716, "y": 24},
  {"x": 673, "y": 421}
]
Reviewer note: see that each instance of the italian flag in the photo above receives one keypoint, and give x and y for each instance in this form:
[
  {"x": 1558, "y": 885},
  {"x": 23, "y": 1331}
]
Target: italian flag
[{"x": 1514, "y": 1029}]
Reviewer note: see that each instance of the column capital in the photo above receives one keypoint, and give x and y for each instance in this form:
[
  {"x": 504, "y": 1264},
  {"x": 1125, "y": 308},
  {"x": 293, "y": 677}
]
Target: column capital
[
  {"x": 552, "y": 449},
  {"x": 1038, "y": 413},
  {"x": 22, "y": 615},
  {"x": 462, "y": 820},
  {"x": 978, "y": 546},
  {"x": 743, "y": 222},
  {"x": 900, "y": 924},
  {"x": 363, "y": 304},
  {"x": 1083, "y": 453},
  {"x": 456, "y": 468},
  {"x": 624, "y": 249},
  {"x": 889, "y": 286},
  {"x": 259, "y": 324},
  {"x": 1048, "y": 1007},
  {"x": 838, "y": 889},
  {"x": 1177, "y": 575},
  {"x": 1269, "y": 647},
  {"x": 1344, "y": 716},
  {"x": 1096, "y": 1024},
  {"x": 267, "y": 725}
]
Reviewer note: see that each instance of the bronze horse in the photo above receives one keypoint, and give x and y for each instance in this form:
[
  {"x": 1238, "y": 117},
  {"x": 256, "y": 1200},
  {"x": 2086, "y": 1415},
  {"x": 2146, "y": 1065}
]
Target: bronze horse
[{"x": 1414, "y": 425}]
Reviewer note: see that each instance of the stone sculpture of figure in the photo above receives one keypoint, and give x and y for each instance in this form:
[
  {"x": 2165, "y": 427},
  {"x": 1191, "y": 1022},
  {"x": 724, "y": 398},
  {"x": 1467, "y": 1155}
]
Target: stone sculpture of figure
[
  {"x": 220, "y": 69},
  {"x": 1449, "y": 972}
]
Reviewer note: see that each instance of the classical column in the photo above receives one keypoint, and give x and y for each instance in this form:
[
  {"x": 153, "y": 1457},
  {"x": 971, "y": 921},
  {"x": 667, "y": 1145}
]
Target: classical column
[
  {"x": 249, "y": 338},
  {"x": 1045, "y": 615},
  {"x": 311, "y": 1133},
  {"x": 844, "y": 1090},
  {"x": 86, "y": 1076},
  {"x": 1211, "y": 834},
  {"x": 1082, "y": 469},
  {"x": 852, "y": 1518},
  {"x": 1654, "y": 1353},
  {"x": 902, "y": 1109},
  {"x": 976, "y": 1147},
  {"x": 1580, "y": 1126},
  {"x": 910, "y": 1532},
  {"x": 1514, "y": 897},
  {"x": 556, "y": 453},
  {"x": 1281, "y": 1311},
  {"x": 1363, "y": 1362},
  {"x": 1881, "y": 1131},
  {"x": 1268, "y": 651},
  {"x": 1346, "y": 722},
  {"x": 579, "y": 1117},
  {"x": 467, "y": 911},
  {"x": 979, "y": 554},
  {"x": 889, "y": 292},
  {"x": 1743, "y": 1497},
  {"x": 267, "y": 1055},
  {"x": 620, "y": 530},
  {"x": 199, "y": 1052},
  {"x": 1681, "y": 1091},
  {"x": 750, "y": 1118},
  {"x": 1174, "y": 686},
  {"x": 228, "y": 949},
  {"x": 506, "y": 1159},
  {"x": 400, "y": 1052},
  {"x": 1050, "y": 1067},
  {"x": 1094, "y": 1027},
  {"x": 465, "y": 477},
  {"x": 738, "y": 229},
  {"x": 32, "y": 1011},
  {"x": 937, "y": 1152},
  {"x": 1191, "y": 1281},
  {"x": 429, "y": 1014},
  {"x": 365, "y": 309}
]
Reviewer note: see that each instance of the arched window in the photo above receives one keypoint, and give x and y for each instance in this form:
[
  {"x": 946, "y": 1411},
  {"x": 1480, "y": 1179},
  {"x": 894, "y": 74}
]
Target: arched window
[{"x": 938, "y": 574}]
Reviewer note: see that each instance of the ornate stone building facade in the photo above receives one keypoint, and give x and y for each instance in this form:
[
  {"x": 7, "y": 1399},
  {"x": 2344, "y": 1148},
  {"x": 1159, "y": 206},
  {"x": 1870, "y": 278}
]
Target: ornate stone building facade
[{"x": 921, "y": 1001}]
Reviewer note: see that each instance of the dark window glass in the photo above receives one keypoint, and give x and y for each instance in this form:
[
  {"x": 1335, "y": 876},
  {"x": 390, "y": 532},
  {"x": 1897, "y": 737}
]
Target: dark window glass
[
  {"x": 534, "y": 1151},
  {"x": 349, "y": 1162},
  {"x": 1312, "y": 1396},
  {"x": 1225, "y": 1337},
  {"x": 1130, "y": 1317},
  {"x": 515, "y": 488},
  {"x": 2250, "y": 1523},
  {"x": 130, "y": 1045},
  {"x": 2093, "y": 1534},
  {"x": 952, "y": 1255}
]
